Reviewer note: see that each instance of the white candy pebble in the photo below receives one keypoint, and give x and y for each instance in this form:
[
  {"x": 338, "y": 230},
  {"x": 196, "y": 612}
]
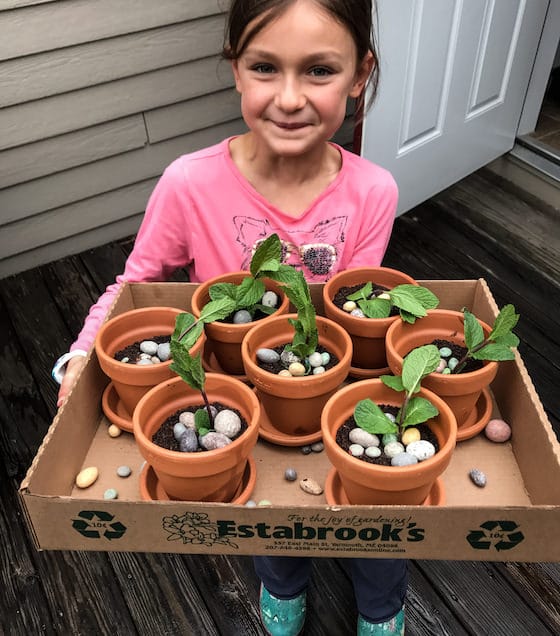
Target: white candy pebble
[
  {"x": 228, "y": 423},
  {"x": 359, "y": 436},
  {"x": 422, "y": 449},
  {"x": 87, "y": 477},
  {"x": 393, "y": 448}
]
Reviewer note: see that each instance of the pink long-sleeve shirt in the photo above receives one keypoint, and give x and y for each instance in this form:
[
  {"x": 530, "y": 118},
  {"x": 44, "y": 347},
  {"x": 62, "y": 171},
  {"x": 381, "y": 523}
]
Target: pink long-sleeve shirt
[{"x": 204, "y": 214}]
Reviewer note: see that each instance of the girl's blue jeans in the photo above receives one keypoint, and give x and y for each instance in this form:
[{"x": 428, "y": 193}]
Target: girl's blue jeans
[{"x": 379, "y": 584}]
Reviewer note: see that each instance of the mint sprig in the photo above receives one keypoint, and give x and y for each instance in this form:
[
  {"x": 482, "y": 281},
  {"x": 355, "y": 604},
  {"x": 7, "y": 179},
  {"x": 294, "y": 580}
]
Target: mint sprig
[
  {"x": 412, "y": 301},
  {"x": 414, "y": 409},
  {"x": 499, "y": 343}
]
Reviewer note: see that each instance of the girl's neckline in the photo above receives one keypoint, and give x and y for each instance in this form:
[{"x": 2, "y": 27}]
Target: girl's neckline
[{"x": 253, "y": 191}]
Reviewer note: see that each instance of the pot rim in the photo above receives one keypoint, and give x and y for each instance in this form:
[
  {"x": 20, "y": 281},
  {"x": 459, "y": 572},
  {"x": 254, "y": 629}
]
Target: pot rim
[
  {"x": 177, "y": 456},
  {"x": 371, "y": 469}
]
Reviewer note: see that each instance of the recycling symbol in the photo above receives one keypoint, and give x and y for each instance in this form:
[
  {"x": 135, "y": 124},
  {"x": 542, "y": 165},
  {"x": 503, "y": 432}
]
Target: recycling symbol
[
  {"x": 503, "y": 535},
  {"x": 95, "y": 524}
]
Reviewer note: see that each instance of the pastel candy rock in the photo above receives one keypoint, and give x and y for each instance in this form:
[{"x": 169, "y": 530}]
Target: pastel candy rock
[
  {"x": 373, "y": 452},
  {"x": 178, "y": 429},
  {"x": 315, "y": 359},
  {"x": 384, "y": 296},
  {"x": 318, "y": 447},
  {"x": 269, "y": 299},
  {"x": 163, "y": 351},
  {"x": 149, "y": 347},
  {"x": 356, "y": 450},
  {"x": 87, "y": 477},
  {"x": 188, "y": 442},
  {"x": 422, "y": 449},
  {"x": 114, "y": 431},
  {"x": 441, "y": 366},
  {"x": 124, "y": 471},
  {"x": 388, "y": 437},
  {"x": 296, "y": 369},
  {"x": 349, "y": 306},
  {"x": 241, "y": 317},
  {"x": 212, "y": 440},
  {"x": 306, "y": 450},
  {"x": 497, "y": 431},
  {"x": 404, "y": 459},
  {"x": 287, "y": 357},
  {"x": 326, "y": 357},
  {"x": 393, "y": 448},
  {"x": 445, "y": 352},
  {"x": 478, "y": 477},
  {"x": 186, "y": 418},
  {"x": 144, "y": 361},
  {"x": 268, "y": 356},
  {"x": 285, "y": 373},
  {"x": 318, "y": 370},
  {"x": 452, "y": 363},
  {"x": 111, "y": 493},
  {"x": 310, "y": 486},
  {"x": 290, "y": 474},
  {"x": 251, "y": 504},
  {"x": 359, "y": 436},
  {"x": 357, "y": 313},
  {"x": 228, "y": 423},
  {"x": 391, "y": 417},
  {"x": 411, "y": 434},
  {"x": 155, "y": 360}
]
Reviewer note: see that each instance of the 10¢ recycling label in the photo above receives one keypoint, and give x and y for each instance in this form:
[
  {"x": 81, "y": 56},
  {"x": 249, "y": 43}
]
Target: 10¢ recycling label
[
  {"x": 97, "y": 524},
  {"x": 500, "y": 535}
]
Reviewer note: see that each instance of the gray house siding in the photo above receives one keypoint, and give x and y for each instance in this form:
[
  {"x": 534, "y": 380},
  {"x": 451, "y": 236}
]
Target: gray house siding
[{"x": 96, "y": 98}]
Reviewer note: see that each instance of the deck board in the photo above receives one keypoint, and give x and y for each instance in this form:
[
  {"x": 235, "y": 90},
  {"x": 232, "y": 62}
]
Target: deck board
[{"x": 457, "y": 234}]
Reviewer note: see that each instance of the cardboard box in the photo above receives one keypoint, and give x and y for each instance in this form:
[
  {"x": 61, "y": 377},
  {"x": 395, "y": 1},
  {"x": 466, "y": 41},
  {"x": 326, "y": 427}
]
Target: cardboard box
[{"x": 516, "y": 517}]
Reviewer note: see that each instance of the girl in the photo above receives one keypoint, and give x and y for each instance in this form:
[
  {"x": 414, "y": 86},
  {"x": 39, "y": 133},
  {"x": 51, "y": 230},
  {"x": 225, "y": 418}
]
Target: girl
[{"x": 295, "y": 63}]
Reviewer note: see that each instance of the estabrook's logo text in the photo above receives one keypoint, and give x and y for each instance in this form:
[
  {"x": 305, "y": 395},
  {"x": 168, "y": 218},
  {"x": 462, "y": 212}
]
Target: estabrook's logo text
[{"x": 385, "y": 532}]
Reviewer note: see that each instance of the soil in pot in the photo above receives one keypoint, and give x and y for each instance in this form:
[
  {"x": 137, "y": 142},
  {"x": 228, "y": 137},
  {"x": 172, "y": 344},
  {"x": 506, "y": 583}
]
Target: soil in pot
[
  {"x": 132, "y": 353},
  {"x": 457, "y": 352},
  {"x": 165, "y": 437},
  {"x": 278, "y": 365},
  {"x": 343, "y": 433},
  {"x": 341, "y": 296}
]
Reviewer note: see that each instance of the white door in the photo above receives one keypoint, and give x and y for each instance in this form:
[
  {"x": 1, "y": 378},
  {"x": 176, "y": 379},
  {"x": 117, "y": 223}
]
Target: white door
[{"x": 454, "y": 74}]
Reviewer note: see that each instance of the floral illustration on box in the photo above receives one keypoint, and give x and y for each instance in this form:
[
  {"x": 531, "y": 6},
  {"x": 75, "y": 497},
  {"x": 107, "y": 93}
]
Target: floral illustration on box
[{"x": 194, "y": 528}]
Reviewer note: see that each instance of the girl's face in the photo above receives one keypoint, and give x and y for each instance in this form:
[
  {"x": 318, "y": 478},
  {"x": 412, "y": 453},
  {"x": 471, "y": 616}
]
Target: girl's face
[{"x": 294, "y": 78}]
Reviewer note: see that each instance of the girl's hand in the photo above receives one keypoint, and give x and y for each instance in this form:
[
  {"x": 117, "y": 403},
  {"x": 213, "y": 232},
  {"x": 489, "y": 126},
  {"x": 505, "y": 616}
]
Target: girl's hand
[{"x": 72, "y": 369}]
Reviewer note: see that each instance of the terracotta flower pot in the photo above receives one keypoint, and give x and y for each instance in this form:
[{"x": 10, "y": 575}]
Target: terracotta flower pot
[
  {"x": 368, "y": 334},
  {"x": 372, "y": 484},
  {"x": 462, "y": 391},
  {"x": 293, "y": 405},
  {"x": 132, "y": 381},
  {"x": 224, "y": 339},
  {"x": 206, "y": 475}
]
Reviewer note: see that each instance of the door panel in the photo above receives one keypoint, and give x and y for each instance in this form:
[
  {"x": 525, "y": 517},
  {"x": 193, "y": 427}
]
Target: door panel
[{"x": 454, "y": 74}]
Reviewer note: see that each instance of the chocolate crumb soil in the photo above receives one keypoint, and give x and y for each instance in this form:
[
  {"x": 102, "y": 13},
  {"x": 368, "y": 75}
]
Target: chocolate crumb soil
[
  {"x": 458, "y": 352},
  {"x": 342, "y": 437},
  {"x": 132, "y": 351},
  {"x": 342, "y": 294},
  {"x": 276, "y": 367},
  {"x": 164, "y": 435}
]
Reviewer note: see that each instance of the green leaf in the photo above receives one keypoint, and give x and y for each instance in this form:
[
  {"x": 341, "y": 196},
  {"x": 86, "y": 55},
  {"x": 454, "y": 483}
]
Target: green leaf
[
  {"x": 371, "y": 418},
  {"x": 417, "y": 365},
  {"x": 419, "y": 410},
  {"x": 413, "y": 298},
  {"x": 362, "y": 294},
  {"x": 393, "y": 382},
  {"x": 202, "y": 420},
  {"x": 494, "y": 351},
  {"x": 267, "y": 256},
  {"x": 222, "y": 290},
  {"x": 217, "y": 310},
  {"x": 249, "y": 292},
  {"x": 508, "y": 340},
  {"x": 504, "y": 323},
  {"x": 474, "y": 334},
  {"x": 375, "y": 308},
  {"x": 183, "y": 322},
  {"x": 285, "y": 274},
  {"x": 198, "y": 371},
  {"x": 406, "y": 316}
]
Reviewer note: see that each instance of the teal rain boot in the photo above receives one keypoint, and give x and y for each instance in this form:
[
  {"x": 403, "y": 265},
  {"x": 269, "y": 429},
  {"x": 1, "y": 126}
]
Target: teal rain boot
[
  {"x": 392, "y": 627},
  {"x": 282, "y": 617}
]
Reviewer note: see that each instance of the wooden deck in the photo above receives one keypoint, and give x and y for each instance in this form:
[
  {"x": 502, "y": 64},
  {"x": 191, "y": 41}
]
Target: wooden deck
[{"x": 481, "y": 227}]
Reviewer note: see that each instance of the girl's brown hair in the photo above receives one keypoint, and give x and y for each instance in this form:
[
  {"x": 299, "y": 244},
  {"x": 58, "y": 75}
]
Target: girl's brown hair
[{"x": 355, "y": 15}]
